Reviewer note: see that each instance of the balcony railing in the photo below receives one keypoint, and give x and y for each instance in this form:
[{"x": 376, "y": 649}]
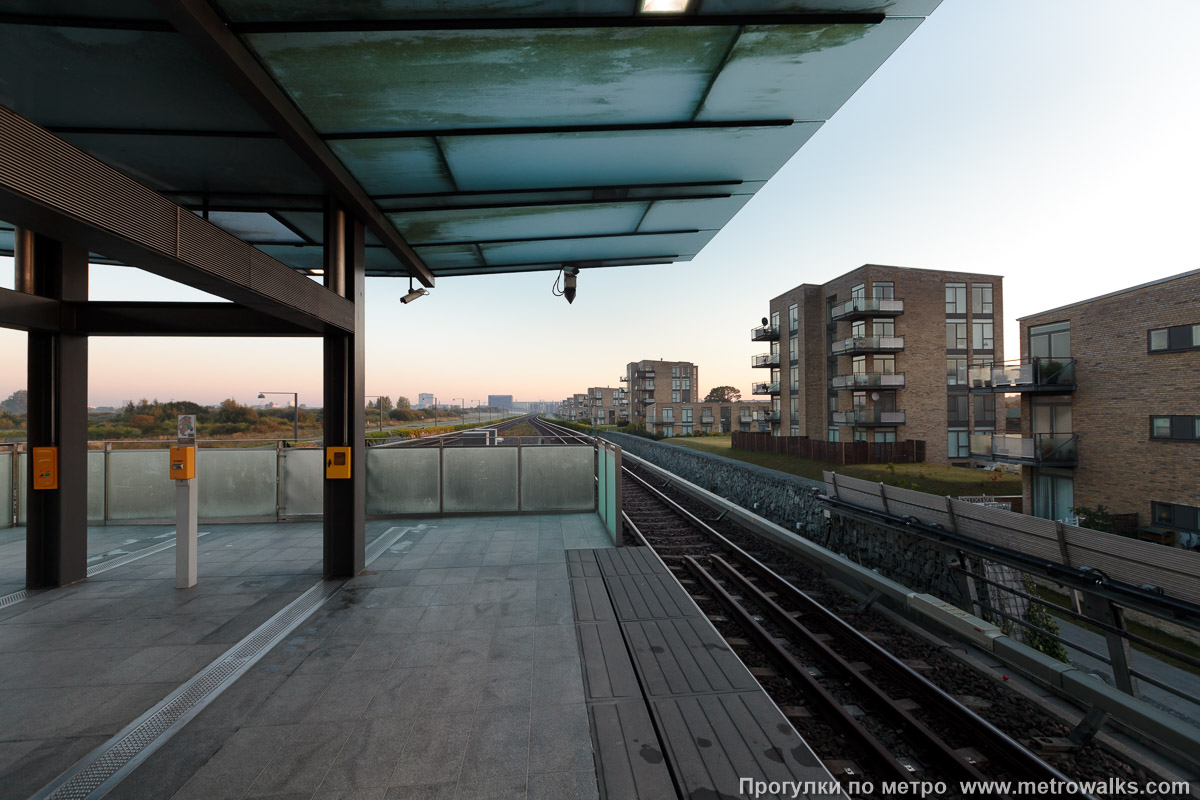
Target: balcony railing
[
  {"x": 866, "y": 418},
  {"x": 869, "y": 380},
  {"x": 707, "y": 420},
  {"x": 646, "y": 401},
  {"x": 860, "y": 307},
  {"x": 765, "y": 388},
  {"x": 764, "y": 333},
  {"x": 772, "y": 416},
  {"x": 1045, "y": 375},
  {"x": 765, "y": 360},
  {"x": 1041, "y": 449},
  {"x": 869, "y": 344},
  {"x": 643, "y": 373}
]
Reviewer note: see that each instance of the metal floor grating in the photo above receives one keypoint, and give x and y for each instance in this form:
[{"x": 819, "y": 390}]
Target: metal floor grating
[{"x": 97, "y": 773}]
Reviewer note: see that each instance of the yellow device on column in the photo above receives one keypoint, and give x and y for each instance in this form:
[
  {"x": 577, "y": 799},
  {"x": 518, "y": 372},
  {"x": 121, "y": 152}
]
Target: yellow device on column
[
  {"x": 337, "y": 463},
  {"x": 183, "y": 462},
  {"x": 45, "y": 467}
]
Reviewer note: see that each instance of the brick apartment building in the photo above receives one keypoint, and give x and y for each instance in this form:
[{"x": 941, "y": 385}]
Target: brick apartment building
[
  {"x": 606, "y": 405},
  {"x": 1110, "y": 408},
  {"x": 882, "y": 354},
  {"x": 575, "y": 408},
  {"x": 651, "y": 382},
  {"x": 686, "y": 419}
]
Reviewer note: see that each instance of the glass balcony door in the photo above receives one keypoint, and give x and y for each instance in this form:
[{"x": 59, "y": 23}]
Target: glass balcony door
[{"x": 1053, "y": 495}]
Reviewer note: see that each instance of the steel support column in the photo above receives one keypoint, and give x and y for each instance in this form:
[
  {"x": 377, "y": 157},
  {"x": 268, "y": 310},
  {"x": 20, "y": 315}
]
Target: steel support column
[
  {"x": 345, "y": 401},
  {"x": 56, "y": 531}
]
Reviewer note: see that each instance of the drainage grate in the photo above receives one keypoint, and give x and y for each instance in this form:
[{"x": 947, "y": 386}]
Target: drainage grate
[
  {"x": 16, "y": 597},
  {"x": 105, "y": 767}
]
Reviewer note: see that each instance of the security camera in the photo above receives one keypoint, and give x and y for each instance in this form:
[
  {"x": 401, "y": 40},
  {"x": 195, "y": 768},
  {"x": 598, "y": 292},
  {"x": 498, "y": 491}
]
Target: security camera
[
  {"x": 569, "y": 279},
  {"x": 413, "y": 295}
]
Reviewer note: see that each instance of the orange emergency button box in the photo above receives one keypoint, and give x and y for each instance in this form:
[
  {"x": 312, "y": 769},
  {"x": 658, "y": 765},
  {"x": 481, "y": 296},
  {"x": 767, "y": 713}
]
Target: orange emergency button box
[
  {"x": 183, "y": 463},
  {"x": 337, "y": 463},
  {"x": 45, "y": 467}
]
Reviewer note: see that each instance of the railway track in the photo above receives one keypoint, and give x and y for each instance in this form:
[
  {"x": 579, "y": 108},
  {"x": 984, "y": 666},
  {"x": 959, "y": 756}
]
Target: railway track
[
  {"x": 875, "y": 716},
  {"x": 510, "y": 433}
]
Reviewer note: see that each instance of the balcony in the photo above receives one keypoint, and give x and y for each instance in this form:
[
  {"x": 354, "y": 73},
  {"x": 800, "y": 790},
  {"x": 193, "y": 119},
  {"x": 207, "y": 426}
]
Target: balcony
[
  {"x": 765, "y": 360},
  {"x": 863, "y": 307},
  {"x": 765, "y": 388},
  {"x": 647, "y": 401},
  {"x": 1041, "y": 449},
  {"x": 643, "y": 373},
  {"x": 707, "y": 420},
  {"x": 868, "y": 344},
  {"x": 869, "y": 380},
  {"x": 772, "y": 416},
  {"x": 866, "y": 419},
  {"x": 764, "y": 333},
  {"x": 1042, "y": 375}
]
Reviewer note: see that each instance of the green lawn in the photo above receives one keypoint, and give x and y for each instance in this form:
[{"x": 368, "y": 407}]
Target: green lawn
[{"x": 934, "y": 478}]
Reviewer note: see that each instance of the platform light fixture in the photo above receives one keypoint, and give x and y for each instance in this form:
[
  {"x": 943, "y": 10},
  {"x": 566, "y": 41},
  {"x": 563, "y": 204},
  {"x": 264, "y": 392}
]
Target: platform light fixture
[
  {"x": 664, "y": 6},
  {"x": 316, "y": 272}
]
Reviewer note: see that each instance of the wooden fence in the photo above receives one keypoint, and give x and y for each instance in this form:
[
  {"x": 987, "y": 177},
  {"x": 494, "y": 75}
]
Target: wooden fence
[{"x": 906, "y": 452}]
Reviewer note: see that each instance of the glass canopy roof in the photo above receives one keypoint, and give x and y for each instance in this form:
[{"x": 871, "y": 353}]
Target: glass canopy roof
[{"x": 495, "y": 135}]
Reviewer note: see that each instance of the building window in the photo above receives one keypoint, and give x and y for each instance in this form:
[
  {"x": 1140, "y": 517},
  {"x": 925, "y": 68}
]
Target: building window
[
  {"x": 794, "y": 349},
  {"x": 956, "y": 372},
  {"x": 981, "y": 299},
  {"x": 956, "y": 335},
  {"x": 1175, "y": 338},
  {"x": 793, "y": 318},
  {"x": 675, "y": 397},
  {"x": 859, "y": 401},
  {"x": 668, "y": 415},
  {"x": 956, "y": 409},
  {"x": 687, "y": 430},
  {"x": 1175, "y": 428},
  {"x": 1173, "y": 515},
  {"x": 1050, "y": 341},
  {"x": 981, "y": 338},
  {"x": 795, "y": 430},
  {"x": 858, "y": 365},
  {"x": 956, "y": 298},
  {"x": 795, "y": 415},
  {"x": 883, "y": 290},
  {"x": 833, "y": 435},
  {"x": 859, "y": 292},
  {"x": 685, "y": 414},
  {"x": 883, "y": 327},
  {"x": 687, "y": 383},
  {"x": 985, "y": 411},
  {"x": 882, "y": 435},
  {"x": 958, "y": 443},
  {"x": 885, "y": 365},
  {"x": 774, "y": 320},
  {"x": 858, "y": 329},
  {"x": 675, "y": 384},
  {"x": 860, "y": 435}
]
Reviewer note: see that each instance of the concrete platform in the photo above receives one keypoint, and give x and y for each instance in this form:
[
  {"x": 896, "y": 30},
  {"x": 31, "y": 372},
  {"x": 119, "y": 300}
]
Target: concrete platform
[{"x": 477, "y": 657}]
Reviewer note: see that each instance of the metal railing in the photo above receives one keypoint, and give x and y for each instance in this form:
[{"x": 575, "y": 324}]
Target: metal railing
[
  {"x": 868, "y": 344},
  {"x": 765, "y": 388},
  {"x": 880, "y": 380},
  {"x": 866, "y": 306},
  {"x": 764, "y": 333},
  {"x": 1040, "y": 448},
  {"x": 765, "y": 360},
  {"x": 1037, "y": 374},
  {"x": 868, "y": 417}
]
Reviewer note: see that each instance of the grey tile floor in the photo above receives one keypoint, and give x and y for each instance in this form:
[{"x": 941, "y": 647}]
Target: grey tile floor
[{"x": 450, "y": 669}]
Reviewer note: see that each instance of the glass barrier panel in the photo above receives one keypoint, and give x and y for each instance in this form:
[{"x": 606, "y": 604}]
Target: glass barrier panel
[
  {"x": 558, "y": 478},
  {"x": 301, "y": 482},
  {"x": 6, "y": 488},
  {"x": 95, "y": 487},
  {"x": 404, "y": 480},
  {"x": 235, "y": 482},
  {"x": 479, "y": 479},
  {"x": 139, "y": 487}
]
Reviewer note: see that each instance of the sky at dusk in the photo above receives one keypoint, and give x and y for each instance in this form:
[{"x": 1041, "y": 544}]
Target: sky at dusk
[{"x": 1053, "y": 143}]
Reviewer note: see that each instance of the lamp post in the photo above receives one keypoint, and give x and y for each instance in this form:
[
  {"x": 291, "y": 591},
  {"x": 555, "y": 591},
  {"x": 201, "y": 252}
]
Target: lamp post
[
  {"x": 462, "y": 402},
  {"x": 295, "y": 408},
  {"x": 478, "y": 412},
  {"x": 380, "y": 399}
]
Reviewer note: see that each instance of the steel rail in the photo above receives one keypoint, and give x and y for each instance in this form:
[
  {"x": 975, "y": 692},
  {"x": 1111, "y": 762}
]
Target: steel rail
[
  {"x": 1002, "y": 745},
  {"x": 881, "y": 760}
]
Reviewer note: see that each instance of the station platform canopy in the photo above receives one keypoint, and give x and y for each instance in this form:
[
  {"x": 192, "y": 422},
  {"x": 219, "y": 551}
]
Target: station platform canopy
[{"x": 475, "y": 137}]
